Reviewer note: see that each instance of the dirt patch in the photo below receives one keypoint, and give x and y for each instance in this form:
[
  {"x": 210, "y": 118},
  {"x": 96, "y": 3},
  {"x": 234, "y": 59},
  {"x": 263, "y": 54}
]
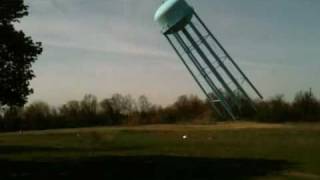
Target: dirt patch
[
  {"x": 235, "y": 125},
  {"x": 217, "y": 126},
  {"x": 303, "y": 175}
]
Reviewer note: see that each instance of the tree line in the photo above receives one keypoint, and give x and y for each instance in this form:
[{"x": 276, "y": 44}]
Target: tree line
[
  {"x": 126, "y": 110},
  {"x": 116, "y": 110}
]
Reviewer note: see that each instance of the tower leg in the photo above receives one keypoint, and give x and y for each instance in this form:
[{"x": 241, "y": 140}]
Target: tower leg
[
  {"x": 209, "y": 64},
  {"x": 228, "y": 55},
  {"x": 214, "y": 88},
  {"x": 222, "y": 65},
  {"x": 195, "y": 78}
]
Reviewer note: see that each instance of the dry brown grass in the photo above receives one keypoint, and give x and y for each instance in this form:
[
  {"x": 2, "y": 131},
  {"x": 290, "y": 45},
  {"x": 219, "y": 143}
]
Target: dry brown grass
[{"x": 235, "y": 125}]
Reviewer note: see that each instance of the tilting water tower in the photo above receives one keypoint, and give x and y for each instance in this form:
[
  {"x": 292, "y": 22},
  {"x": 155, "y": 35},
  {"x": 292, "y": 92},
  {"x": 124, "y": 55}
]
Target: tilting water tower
[{"x": 212, "y": 67}]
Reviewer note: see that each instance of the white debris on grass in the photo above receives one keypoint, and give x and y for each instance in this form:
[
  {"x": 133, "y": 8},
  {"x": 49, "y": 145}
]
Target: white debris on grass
[{"x": 185, "y": 137}]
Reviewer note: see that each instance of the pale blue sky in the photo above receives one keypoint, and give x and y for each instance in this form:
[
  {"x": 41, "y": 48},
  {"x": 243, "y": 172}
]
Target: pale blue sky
[{"x": 113, "y": 46}]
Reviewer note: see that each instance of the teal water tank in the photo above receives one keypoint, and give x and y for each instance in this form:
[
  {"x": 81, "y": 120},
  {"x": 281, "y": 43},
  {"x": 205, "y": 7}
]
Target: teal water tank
[{"x": 173, "y": 15}]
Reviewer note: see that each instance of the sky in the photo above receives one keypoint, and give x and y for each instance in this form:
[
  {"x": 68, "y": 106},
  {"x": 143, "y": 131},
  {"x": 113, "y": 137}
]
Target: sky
[{"x": 104, "y": 47}]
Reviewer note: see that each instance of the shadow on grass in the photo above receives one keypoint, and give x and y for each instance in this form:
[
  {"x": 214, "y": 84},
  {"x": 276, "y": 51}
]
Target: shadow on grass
[
  {"x": 141, "y": 168},
  {"x": 12, "y": 150}
]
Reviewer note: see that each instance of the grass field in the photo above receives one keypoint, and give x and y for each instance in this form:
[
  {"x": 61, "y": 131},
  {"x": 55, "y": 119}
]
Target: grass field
[{"x": 221, "y": 151}]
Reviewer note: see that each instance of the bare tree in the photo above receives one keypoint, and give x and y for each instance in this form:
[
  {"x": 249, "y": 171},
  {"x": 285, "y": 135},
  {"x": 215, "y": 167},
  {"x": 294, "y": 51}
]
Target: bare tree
[
  {"x": 89, "y": 105},
  {"x": 144, "y": 104},
  {"x": 70, "y": 112}
]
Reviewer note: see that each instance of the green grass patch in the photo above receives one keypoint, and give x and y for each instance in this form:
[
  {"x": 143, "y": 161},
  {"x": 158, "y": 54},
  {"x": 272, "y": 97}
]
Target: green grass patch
[{"x": 223, "y": 151}]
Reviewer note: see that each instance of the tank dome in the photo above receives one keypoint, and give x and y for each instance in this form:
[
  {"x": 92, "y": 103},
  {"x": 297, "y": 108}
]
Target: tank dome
[{"x": 173, "y": 15}]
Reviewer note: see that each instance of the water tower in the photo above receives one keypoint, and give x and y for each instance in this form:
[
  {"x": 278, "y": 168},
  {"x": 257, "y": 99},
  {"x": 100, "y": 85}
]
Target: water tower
[{"x": 217, "y": 74}]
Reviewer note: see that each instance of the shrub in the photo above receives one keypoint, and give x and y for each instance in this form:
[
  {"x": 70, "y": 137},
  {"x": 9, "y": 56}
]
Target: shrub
[
  {"x": 37, "y": 116},
  {"x": 306, "y": 107},
  {"x": 274, "y": 110}
]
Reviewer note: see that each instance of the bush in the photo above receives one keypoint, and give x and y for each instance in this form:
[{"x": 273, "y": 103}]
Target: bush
[
  {"x": 11, "y": 119},
  {"x": 306, "y": 107},
  {"x": 274, "y": 110},
  {"x": 185, "y": 109},
  {"x": 37, "y": 116}
]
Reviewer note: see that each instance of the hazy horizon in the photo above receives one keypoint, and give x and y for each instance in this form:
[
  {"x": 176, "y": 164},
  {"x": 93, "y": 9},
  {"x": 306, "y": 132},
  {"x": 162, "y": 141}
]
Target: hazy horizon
[{"x": 105, "y": 47}]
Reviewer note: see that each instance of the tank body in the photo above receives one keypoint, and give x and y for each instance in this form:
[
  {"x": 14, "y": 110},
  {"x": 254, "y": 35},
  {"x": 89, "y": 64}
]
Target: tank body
[{"x": 173, "y": 15}]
